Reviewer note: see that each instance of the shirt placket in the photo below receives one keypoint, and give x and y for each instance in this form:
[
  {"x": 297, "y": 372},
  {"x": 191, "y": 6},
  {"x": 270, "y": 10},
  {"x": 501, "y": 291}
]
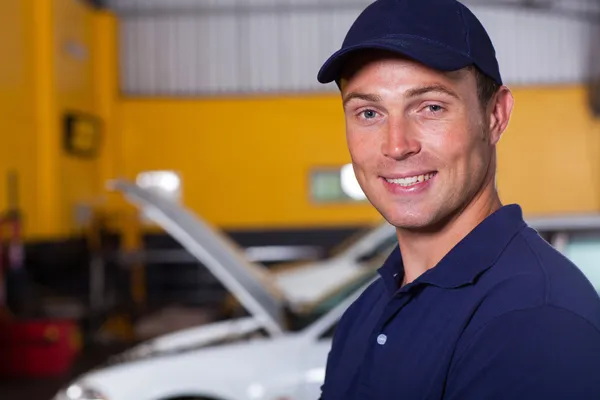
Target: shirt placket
[{"x": 377, "y": 344}]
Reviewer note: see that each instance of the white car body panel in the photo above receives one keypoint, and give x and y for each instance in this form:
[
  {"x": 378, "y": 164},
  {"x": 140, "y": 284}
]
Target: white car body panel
[
  {"x": 233, "y": 371},
  {"x": 196, "y": 336}
]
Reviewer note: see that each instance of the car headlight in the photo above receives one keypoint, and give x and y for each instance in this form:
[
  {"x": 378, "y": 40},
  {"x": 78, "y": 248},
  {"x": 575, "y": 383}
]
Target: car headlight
[{"x": 79, "y": 392}]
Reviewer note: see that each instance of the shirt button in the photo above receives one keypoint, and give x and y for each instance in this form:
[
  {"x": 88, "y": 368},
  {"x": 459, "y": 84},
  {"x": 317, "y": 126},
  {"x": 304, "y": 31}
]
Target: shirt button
[{"x": 381, "y": 339}]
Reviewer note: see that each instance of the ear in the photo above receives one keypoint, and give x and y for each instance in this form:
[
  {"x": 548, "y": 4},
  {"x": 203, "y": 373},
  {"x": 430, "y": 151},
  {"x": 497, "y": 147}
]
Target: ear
[{"x": 500, "y": 110}]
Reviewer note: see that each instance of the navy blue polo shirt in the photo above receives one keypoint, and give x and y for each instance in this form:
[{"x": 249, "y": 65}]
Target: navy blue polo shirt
[{"x": 503, "y": 316}]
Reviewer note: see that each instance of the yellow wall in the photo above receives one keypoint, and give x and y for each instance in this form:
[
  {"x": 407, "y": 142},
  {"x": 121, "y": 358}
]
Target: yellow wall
[
  {"x": 17, "y": 111},
  {"x": 79, "y": 179},
  {"x": 105, "y": 69},
  {"x": 549, "y": 158},
  {"x": 40, "y": 79},
  {"x": 245, "y": 162}
]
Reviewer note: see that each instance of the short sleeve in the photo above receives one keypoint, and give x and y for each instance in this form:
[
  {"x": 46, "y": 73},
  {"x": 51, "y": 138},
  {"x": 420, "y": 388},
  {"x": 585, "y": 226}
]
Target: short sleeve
[{"x": 539, "y": 353}]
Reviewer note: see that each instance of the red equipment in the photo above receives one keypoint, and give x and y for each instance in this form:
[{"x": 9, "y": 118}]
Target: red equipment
[{"x": 30, "y": 347}]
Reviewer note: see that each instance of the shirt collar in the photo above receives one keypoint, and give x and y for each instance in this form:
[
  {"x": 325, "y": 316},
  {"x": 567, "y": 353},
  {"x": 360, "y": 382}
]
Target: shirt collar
[{"x": 472, "y": 256}]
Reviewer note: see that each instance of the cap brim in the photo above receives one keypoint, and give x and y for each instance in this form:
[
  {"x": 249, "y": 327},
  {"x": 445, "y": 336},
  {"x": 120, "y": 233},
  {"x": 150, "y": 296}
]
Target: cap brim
[{"x": 431, "y": 54}]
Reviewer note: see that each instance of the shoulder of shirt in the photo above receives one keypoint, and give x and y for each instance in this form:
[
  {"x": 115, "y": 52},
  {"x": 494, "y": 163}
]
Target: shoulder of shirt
[
  {"x": 533, "y": 275},
  {"x": 565, "y": 285},
  {"x": 538, "y": 284},
  {"x": 524, "y": 332}
]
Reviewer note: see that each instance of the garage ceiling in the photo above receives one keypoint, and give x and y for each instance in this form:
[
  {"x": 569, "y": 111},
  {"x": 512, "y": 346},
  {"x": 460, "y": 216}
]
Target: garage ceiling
[
  {"x": 569, "y": 8},
  {"x": 199, "y": 47}
]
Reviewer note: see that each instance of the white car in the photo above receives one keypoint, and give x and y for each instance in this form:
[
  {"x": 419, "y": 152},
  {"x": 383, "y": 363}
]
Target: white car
[
  {"x": 278, "y": 352},
  {"x": 230, "y": 360},
  {"x": 260, "y": 357}
]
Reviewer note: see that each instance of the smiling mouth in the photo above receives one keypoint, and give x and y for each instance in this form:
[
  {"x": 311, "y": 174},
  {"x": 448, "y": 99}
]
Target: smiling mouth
[{"x": 411, "y": 180}]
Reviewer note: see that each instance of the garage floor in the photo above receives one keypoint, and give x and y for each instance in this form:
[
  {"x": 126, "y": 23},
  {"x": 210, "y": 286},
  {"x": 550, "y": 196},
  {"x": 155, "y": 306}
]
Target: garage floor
[{"x": 47, "y": 388}]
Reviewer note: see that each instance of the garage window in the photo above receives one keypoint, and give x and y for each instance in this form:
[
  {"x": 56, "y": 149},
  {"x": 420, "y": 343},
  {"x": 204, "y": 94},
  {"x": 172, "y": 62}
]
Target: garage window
[{"x": 335, "y": 185}]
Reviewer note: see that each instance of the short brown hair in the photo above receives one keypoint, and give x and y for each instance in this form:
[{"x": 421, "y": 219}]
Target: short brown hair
[{"x": 486, "y": 86}]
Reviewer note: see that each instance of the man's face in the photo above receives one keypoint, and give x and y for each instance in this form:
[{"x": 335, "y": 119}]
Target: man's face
[{"x": 419, "y": 140}]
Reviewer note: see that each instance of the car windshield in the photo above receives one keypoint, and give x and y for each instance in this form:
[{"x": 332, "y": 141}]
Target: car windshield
[
  {"x": 372, "y": 262},
  {"x": 363, "y": 240},
  {"x": 381, "y": 250}
]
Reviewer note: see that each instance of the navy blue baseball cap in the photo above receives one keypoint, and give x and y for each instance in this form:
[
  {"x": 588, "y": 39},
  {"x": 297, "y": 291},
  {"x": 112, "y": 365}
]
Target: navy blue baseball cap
[{"x": 441, "y": 34}]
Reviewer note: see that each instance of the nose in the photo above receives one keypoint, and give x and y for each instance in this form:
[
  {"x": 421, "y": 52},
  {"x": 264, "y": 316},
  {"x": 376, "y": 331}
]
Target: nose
[{"x": 398, "y": 141}]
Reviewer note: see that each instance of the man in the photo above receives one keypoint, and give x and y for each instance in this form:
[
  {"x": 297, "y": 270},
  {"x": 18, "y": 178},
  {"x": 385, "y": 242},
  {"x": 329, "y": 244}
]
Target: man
[{"x": 473, "y": 304}]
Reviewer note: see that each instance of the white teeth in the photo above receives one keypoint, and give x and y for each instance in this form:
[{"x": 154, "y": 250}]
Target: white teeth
[{"x": 411, "y": 180}]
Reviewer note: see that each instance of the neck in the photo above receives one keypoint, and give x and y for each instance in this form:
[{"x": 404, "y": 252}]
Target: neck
[{"x": 423, "y": 250}]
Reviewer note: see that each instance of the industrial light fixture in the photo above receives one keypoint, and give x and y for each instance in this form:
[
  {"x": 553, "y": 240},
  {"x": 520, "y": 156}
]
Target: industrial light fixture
[{"x": 165, "y": 183}]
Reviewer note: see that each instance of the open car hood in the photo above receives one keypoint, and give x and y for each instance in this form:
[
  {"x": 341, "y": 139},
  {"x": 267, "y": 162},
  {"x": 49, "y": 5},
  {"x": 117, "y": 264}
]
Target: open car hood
[
  {"x": 250, "y": 283},
  {"x": 192, "y": 339}
]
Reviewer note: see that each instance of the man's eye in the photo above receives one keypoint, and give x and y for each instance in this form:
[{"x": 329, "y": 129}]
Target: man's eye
[
  {"x": 368, "y": 114},
  {"x": 434, "y": 108}
]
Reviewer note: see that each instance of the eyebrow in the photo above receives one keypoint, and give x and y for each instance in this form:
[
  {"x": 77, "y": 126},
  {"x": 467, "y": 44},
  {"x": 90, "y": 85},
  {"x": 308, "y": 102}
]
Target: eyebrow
[
  {"x": 429, "y": 89},
  {"x": 419, "y": 91},
  {"x": 361, "y": 96}
]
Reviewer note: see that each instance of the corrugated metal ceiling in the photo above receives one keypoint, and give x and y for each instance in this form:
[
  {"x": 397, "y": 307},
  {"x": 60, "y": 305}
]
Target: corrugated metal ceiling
[{"x": 250, "y": 46}]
